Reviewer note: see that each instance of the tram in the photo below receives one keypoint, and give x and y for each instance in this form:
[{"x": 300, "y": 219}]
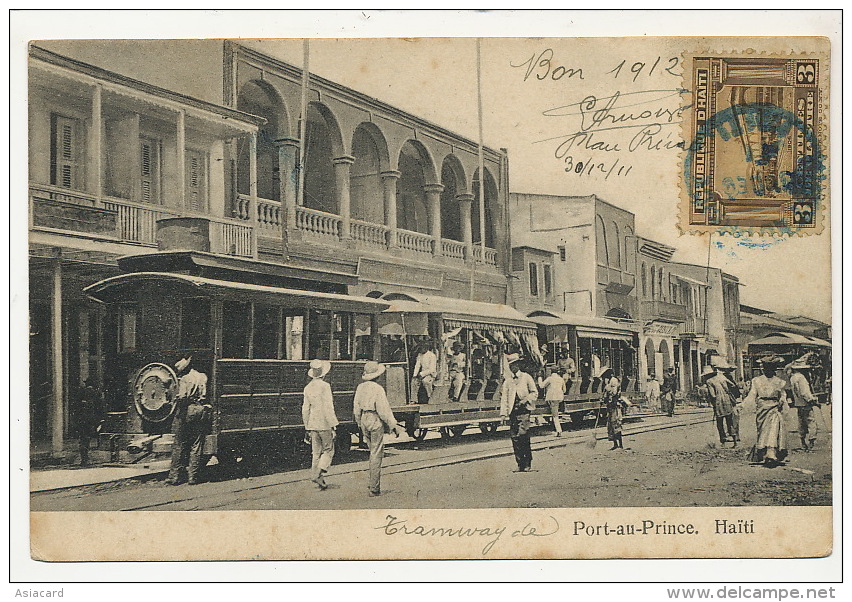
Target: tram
[
  {"x": 791, "y": 346},
  {"x": 488, "y": 335},
  {"x": 253, "y": 341}
]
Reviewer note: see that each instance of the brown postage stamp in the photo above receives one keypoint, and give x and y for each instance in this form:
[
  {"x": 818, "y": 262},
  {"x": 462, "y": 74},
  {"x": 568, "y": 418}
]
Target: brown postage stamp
[{"x": 757, "y": 158}]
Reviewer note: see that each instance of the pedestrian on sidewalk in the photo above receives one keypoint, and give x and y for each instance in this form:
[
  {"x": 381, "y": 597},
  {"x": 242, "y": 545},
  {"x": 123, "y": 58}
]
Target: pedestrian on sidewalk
[
  {"x": 770, "y": 398},
  {"x": 723, "y": 403},
  {"x": 522, "y": 396},
  {"x": 374, "y": 417},
  {"x": 320, "y": 421},
  {"x": 554, "y": 393},
  {"x": 667, "y": 391},
  {"x": 190, "y": 424},
  {"x": 90, "y": 413},
  {"x": 804, "y": 400},
  {"x": 615, "y": 406}
]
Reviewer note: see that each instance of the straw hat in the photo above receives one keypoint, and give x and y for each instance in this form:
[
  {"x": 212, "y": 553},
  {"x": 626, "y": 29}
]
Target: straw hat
[
  {"x": 511, "y": 358},
  {"x": 319, "y": 368},
  {"x": 182, "y": 364},
  {"x": 708, "y": 371},
  {"x": 373, "y": 370},
  {"x": 773, "y": 360}
]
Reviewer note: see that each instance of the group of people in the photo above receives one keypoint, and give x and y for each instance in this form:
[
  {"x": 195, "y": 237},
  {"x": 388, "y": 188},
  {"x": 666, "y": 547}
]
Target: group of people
[
  {"x": 663, "y": 394},
  {"x": 426, "y": 371}
]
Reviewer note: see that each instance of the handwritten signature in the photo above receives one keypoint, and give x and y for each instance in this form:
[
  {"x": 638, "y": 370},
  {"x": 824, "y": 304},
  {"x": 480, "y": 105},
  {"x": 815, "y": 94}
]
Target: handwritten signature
[{"x": 492, "y": 534}]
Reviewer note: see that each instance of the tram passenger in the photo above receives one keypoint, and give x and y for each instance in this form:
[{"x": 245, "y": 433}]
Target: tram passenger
[
  {"x": 522, "y": 395},
  {"x": 554, "y": 393},
  {"x": 320, "y": 421},
  {"x": 768, "y": 394},
  {"x": 567, "y": 369},
  {"x": 374, "y": 417},
  {"x": 804, "y": 401},
  {"x": 615, "y": 406},
  {"x": 190, "y": 424},
  {"x": 458, "y": 364},
  {"x": 425, "y": 371}
]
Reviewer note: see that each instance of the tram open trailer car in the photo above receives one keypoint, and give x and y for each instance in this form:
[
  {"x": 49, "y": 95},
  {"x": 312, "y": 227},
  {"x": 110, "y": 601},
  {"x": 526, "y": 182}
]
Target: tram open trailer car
[
  {"x": 792, "y": 346},
  {"x": 253, "y": 341}
]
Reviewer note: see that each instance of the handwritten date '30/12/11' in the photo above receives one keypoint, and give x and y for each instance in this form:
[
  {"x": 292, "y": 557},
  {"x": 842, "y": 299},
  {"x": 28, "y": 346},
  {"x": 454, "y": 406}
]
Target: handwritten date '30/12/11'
[{"x": 589, "y": 167}]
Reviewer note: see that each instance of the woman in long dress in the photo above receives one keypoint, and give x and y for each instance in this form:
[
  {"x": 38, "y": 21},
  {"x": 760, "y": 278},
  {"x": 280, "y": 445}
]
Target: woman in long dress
[{"x": 767, "y": 392}]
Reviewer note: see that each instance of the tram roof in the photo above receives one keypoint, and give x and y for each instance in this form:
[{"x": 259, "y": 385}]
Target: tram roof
[
  {"x": 463, "y": 310},
  {"x": 105, "y": 289},
  {"x": 586, "y": 325},
  {"x": 789, "y": 338}
]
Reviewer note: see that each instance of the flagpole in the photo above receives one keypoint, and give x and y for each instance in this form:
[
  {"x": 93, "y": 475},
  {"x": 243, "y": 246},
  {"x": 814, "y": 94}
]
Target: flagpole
[
  {"x": 480, "y": 150},
  {"x": 303, "y": 119}
]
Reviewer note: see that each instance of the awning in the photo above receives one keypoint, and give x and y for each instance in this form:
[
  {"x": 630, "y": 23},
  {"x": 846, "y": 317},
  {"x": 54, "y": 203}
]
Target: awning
[
  {"x": 115, "y": 287},
  {"x": 789, "y": 338},
  {"x": 691, "y": 280},
  {"x": 462, "y": 313},
  {"x": 585, "y": 326}
]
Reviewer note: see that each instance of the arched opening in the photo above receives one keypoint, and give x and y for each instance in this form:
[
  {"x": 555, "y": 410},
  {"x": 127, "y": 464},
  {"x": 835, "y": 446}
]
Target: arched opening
[
  {"x": 664, "y": 355},
  {"x": 644, "y": 280},
  {"x": 452, "y": 177},
  {"x": 259, "y": 98},
  {"x": 601, "y": 247},
  {"x": 614, "y": 246},
  {"x": 653, "y": 282},
  {"x": 365, "y": 180},
  {"x": 629, "y": 251},
  {"x": 321, "y": 146},
  {"x": 650, "y": 358},
  {"x": 412, "y": 211},
  {"x": 490, "y": 202}
]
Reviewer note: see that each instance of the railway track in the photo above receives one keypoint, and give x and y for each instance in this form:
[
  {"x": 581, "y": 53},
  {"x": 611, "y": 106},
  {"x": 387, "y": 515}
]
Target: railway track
[{"x": 396, "y": 465}]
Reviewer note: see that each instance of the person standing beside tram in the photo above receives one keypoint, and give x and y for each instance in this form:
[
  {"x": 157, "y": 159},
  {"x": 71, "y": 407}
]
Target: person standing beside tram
[
  {"x": 374, "y": 417},
  {"x": 522, "y": 394},
  {"x": 567, "y": 368},
  {"x": 190, "y": 424},
  {"x": 554, "y": 393},
  {"x": 804, "y": 401},
  {"x": 320, "y": 421}
]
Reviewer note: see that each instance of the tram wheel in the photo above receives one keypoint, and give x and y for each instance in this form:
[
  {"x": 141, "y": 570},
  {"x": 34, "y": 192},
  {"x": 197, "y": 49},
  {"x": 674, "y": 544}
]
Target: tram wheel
[
  {"x": 343, "y": 441},
  {"x": 488, "y": 428},
  {"x": 419, "y": 434}
]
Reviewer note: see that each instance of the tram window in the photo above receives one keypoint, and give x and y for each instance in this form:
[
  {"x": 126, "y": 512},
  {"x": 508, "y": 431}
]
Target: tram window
[
  {"x": 127, "y": 328},
  {"x": 294, "y": 328},
  {"x": 195, "y": 323},
  {"x": 534, "y": 279},
  {"x": 548, "y": 280},
  {"x": 267, "y": 325},
  {"x": 319, "y": 335},
  {"x": 363, "y": 337},
  {"x": 235, "y": 316}
]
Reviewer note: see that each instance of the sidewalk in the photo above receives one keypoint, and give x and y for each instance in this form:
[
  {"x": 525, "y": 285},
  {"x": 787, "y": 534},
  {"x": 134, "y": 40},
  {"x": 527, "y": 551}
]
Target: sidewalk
[{"x": 74, "y": 476}]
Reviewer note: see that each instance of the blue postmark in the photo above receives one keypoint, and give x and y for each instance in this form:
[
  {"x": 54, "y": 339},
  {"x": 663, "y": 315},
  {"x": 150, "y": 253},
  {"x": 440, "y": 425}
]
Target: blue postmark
[{"x": 765, "y": 131}]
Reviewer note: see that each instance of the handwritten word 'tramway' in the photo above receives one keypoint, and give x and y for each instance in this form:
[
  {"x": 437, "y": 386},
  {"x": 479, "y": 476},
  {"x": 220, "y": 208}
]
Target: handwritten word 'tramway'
[{"x": 396, "y": 526}]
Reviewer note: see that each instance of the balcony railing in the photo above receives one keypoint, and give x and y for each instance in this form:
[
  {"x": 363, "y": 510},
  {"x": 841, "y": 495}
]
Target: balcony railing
[
  {"x": 369, "y": 233},
  {"x": 664, "y": 311},
  {"x": 414, "y": 241},
  {"x": 268, "y": 214},
  {"x": 490, "y": 255},
  {"x": 318, "y": 223},
  {"x": 120, "y": 220},
  {"x": 453, "y": 249}
]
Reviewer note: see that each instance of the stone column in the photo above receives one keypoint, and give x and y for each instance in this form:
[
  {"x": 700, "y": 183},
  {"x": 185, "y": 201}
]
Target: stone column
[
  {"x": 465, "y": 202},
  {"x": 253, "y": 193},
  {"x": 389, "y": 182},
  {"x": 181, "y": 159},
  {"x": 288, "y": 170},
  {"x": 342, "y": 166},
  {"x": 433, "y": 201},
  {"x": 57, "y": 426},
  {"x": 96, "y": 143}
]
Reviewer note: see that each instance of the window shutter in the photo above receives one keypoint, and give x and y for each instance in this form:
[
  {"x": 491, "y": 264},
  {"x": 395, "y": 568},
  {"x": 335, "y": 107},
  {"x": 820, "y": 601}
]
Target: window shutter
[
  {"x": 65, "y": 151},
  {"x": 196, "y": 180},
  {"x": 149, "y": 153}
]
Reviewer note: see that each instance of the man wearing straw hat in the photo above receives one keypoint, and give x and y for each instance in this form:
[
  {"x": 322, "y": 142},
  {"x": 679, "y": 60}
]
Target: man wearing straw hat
[
  {"x": 374, "y": 417},
  {"x": 320, "y": 421},
  {"x": 804, "y": 400},
  {"x": 190, "y": 424},
  {"x": 522, "y": 395},
  {"x": 723, "y": 403}
]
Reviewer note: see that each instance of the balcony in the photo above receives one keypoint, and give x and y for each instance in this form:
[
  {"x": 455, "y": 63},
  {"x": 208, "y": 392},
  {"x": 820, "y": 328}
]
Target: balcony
[
  {"x": 63, "y": 211},
  {"x": 327, "y": 228},
  {"x": 664, "y": 311}
]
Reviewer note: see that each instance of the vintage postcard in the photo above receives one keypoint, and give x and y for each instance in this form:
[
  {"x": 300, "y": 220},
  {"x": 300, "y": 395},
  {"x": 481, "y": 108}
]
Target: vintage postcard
[{"x": 430, "y": 298}]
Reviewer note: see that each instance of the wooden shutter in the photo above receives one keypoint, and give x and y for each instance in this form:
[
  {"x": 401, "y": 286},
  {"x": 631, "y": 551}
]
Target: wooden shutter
[
  {"x": 196, "y": 181},
  {"x": 149, "y": 154},
  {"x": 65, "y": 151}
]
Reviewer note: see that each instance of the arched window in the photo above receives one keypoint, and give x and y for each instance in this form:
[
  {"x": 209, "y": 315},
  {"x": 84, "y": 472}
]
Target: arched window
[
  {"x": 259, "y": 98},
  {"x": 412, "y": 212},
  {"x": 601, "y": 248},
  {"x": 321, "y": 135},
  {"x": 615, "y": 246},
  {"x": 629, "y": 251},
  {"x": 644, "y": 280},
  {"x": 490, "y": 202},
  {"x": 452, "y": 177},
  {"x": 365, "y": 180}
]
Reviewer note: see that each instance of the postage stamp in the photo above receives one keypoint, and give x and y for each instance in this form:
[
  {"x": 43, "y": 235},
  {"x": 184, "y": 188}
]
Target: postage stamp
[{"x": 757, "y": 133}]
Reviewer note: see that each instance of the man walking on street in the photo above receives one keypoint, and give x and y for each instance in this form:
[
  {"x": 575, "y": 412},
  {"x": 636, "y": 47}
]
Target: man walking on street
[
  {"x": 804, "y": 401},
  {"x": 522, "y": 396},
  {"x": 723, "y": 402},
  {"x": 374, "y": 417},
  {"x": 320, "y": 421},
  {"x": 554, "y": 393},
  {"x": 190, "y": 424},
  {"x": 667, "y": 391}
]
